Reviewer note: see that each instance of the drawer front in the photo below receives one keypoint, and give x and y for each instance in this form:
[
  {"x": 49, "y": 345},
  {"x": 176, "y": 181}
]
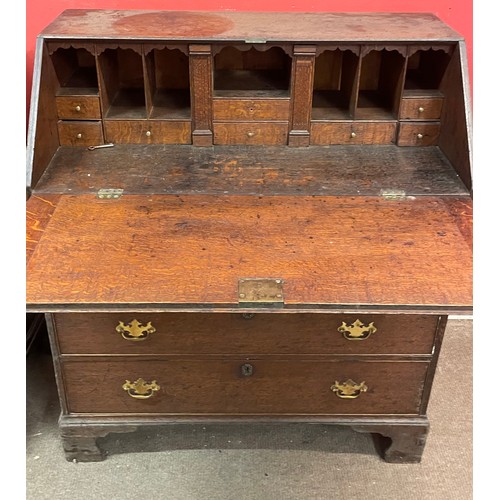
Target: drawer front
[
  {"x": 353, "y": 133},
  {"x": 256, "y": 133},
  {"x": 418, "y": 134},
  {"x": 148, "y": 132},
  {"x": 242, "y": 386},
  {"x": 80, "y": 133},
  {"x": 251, "y": 109},
  {"x": 420, "y": 109},
  {"x": 204, "y": 333},
  {"x": 78, "y": 107}
]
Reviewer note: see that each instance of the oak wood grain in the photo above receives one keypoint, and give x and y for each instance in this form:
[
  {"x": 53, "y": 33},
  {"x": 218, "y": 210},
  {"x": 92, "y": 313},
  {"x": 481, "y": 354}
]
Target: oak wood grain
[
  {"x": 325, "y": 133},
  {"x": 251, "y": 109},
  {"x": 80, "y": 133},
  {"x": 418, "y": 133},
  {"x": 205, "y": 333},
  {"x": 240, "y": 26},
  {"x": 208, "y": 386},
  {"x": 267, "y": 170},
  {"x": 78, "y": 107},
  {"x": 38, "y": 215},
  {"x": 420, "y": 109},
  {"x": 193, "y": 249}
]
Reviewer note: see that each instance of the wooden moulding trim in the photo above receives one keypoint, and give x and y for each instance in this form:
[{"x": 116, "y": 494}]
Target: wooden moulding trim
[
  {"x": 75, "y": 44},
  {"x": 412, "y": 49},
  {"x": 100, "y": 48},
  {"x": 200, "y": 50},
  {"x": 261, "y": 47},
  {"x": 110, "y": 420},
  {"x": 160, "y": 46},
  {"x": 366, "y": 49},
  {"x": 355, "y": 49},
  {"x": 226, "y": 308}
]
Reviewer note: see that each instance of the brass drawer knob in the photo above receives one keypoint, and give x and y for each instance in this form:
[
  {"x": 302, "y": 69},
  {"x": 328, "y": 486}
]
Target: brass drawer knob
[
  {"x": 420, "y": 109},
  {"x": 78, "y": 108},
  {"x": 135, "y": 330},
  {"x": 356, "y": 330},
  {"x": 250, "y": 134},
  {"x": 140, "y": 389},
  {"x": 348, "y": 389},
  {"x": 79, "y": 136},
  {"x": 420, "y": 136},
  {"x": 247, "y": 370},
  {"x": 353, "y": 135},
  {"x": 148, "y": 133}
]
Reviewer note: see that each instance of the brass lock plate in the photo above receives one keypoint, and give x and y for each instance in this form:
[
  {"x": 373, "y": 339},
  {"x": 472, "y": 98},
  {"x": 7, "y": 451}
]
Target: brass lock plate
[{"x": 260, "y": 292}]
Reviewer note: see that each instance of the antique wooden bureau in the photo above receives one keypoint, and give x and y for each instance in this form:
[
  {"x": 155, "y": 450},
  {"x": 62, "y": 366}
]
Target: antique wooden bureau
[{"x": 248, "y": 217}]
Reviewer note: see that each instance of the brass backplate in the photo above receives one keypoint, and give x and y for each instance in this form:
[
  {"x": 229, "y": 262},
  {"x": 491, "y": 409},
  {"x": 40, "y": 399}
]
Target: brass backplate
[{"x": 260, "y": 291}]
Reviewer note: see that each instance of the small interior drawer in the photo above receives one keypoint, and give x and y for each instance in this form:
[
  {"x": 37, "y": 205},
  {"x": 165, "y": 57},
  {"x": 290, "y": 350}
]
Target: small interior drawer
[
  {"x": 251, "y": 109},
  {"x": 324, "y": 133},
  {"x": 261, "y": 333},
  {"x": 243, "y": 386},
  {"x": 418, "y": 134},
  {"x": 261, "y": 133},
  {"x": 421, "y": 108},
  {"x": 147, "y": 132},
  {"x": 80, "y": 133},
  {"x": 78, "y": 107}
]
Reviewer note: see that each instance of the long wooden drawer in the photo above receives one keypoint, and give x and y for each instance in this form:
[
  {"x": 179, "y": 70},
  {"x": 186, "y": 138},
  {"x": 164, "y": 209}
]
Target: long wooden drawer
[
  {"x": 418, "y": 134},
  {"x": 78, "y": 107},
  {"x": 260, "y": 133},
  {"x": 420, "y": 108},
  {"x": 251, "y": 109},
  {"x": 147, "y": 132},
  {"x": 324, "y": 133},
  {"x": 80, "y": 133},
  {"x": 205, "y": 333},
  {"x": 242, "y": 386}
]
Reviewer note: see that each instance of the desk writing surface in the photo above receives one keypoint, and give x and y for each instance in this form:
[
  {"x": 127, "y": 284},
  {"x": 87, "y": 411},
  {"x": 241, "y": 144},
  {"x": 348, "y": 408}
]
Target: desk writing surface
[{"x": 192, "y": 249}]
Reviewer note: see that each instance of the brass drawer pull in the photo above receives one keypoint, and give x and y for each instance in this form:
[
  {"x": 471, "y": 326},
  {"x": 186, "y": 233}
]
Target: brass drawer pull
[
  {"x": 421, "y": 109},
  {"x": 357, "y": 330},
  {"x": 78, "y": 108},
  {"x": 140, "y": 389},
  {"x": 135, "y": 330},
  {"x": 247, "y": 370},
  {"x": 349, "y": 389},
  {"x": 420, "y": 136}
]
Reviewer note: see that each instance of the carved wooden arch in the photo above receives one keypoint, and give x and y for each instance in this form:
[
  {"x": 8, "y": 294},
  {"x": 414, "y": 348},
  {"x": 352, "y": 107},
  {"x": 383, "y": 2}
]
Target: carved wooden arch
[
  {"x": 366, "y": 49},
  {"x": 137, "y": 48},
  {"x": 55, "y": 46},
  {"x": 261, "y": 47},
  {"x": 413, "y": 49},
  {"x": 355, "y": 49},
  {"x": 161, "y": 46}
]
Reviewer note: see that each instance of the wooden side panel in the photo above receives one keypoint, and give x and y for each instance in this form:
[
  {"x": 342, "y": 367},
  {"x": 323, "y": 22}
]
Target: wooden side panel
[
  {"x": 168, "y": 249},
  {"x": 208, "y": 386},
  {"x": 39, "y": 210},
  {"x": 456, "y": 125},
  {"x": 43, "y": 138}
]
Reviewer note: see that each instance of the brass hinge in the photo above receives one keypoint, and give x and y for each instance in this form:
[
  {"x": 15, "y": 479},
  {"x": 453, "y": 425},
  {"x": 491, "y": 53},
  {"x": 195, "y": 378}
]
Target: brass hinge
[
  {"x": 256, "y": 40},
  {"x": 109, "y": 194},
  {"x": 393, "y": 194},
  {"x": 260, "y": 292}
]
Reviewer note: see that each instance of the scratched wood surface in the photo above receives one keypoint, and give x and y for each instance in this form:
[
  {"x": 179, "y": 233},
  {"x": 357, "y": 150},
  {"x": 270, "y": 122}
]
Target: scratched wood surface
[
  {"x": 38, "y": 214},
  {"x": 316, "y": 170},
  {"x": 167, "y": 249},
  {"x": 287, "y": 26}
]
